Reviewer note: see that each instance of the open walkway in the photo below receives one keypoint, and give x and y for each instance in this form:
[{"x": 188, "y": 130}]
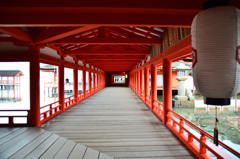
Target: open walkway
[
  {"x": 116, "y": 122},
  {"x": 36, "y": 143}
]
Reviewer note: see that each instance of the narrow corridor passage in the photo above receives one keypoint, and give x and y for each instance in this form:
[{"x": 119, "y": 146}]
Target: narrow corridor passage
[{"x": 116, "y": 122}]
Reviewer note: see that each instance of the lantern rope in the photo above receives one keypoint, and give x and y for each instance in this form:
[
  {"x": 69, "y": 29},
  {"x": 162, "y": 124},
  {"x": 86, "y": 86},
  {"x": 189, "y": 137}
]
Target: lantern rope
[{"x": 215, "y": 129}]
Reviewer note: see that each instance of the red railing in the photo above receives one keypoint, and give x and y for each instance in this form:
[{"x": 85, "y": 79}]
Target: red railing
[
  {"x": 9, "y": 82},
  {"x": 178, "y": 125},
  {"x": 158, "y": 109},
  {"x": 87, "y": 93},
  {"x": 142, "y": 96},
  {"x": 197, "y": 142},
  {"x": 80, "y": 96},
  {"x": 148, "y": 101},
  {"x": 10, "y": 118},
  {"x": 69, "y": 102},
  {"x": 49, "y": 111},
  {"x": 92, "y": 91}
]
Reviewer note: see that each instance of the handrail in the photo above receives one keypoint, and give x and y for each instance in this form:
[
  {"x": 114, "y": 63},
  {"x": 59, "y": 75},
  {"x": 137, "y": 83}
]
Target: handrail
[
  {"x": 172, "y": 122},
  {"x": 181, "y": 121},
  {"x": 11, "y": 117},
  {"x": 49, "y": 111},
  {"x": 148, "y": 100},
  {"x": 69, "y": 102},
  {"x": 56, "y": 108},
  {"x": 158, "y": 109}
]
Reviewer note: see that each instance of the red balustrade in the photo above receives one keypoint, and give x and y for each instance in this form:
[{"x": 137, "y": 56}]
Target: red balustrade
[
  {"x": 178, "y": 125},
  {"x": 49, "y": 111},
  {"x": 69, "y": 102},
  {"x": 197, "y": 142},
  {"x": 158, "y": 109},
  {"x": 148, "y": 101},
  {"x": 87, "y": 93},
  {"x": 15, "y": 114},
  {"x": 80, "y": 96}
]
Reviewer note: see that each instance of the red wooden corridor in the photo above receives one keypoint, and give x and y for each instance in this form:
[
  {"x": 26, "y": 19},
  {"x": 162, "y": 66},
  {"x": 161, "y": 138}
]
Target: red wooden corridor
[{"x": 103, "y": 39}]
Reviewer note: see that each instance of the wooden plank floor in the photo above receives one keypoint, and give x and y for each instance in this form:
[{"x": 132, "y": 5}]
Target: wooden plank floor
[
  {"x": 116, "y": 122},
  {"x": 36, "y": 143}
]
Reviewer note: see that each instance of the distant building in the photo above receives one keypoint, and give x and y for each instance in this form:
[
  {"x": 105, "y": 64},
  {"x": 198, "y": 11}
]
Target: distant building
[{"x": 10, "y": 77}]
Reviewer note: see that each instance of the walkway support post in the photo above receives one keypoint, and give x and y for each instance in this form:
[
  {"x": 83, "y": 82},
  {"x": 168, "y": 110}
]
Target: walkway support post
[
  {"x": 141, "y": 84},
  {"x": 84, "y": 82},
  {"x": 138, "y": 86},
  {"x": 61, "y": 85},
  {"x": 135, "y": 82},
  {"x": 94, "y": 82},
  {"x": 167, "y": 88},
  {"x": 75, "y": 84},
  {"x": 153, "y": 85},
  {"x": 146, "y": 83},
  {"x": 89, "y": 82},
  {"x": 96, "y": 88},
  {"x": 34, "y": 116}
]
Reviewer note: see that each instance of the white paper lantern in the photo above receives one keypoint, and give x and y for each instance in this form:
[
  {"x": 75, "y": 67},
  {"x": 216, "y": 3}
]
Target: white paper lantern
[{"x": 216, "y": 54}]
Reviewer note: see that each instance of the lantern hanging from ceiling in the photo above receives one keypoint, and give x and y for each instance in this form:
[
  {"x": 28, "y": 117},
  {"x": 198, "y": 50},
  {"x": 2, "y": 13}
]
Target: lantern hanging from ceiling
[{"x": 216, "y": 54}]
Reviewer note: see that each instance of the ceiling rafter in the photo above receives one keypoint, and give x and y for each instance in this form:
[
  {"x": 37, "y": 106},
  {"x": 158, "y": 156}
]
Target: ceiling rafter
[
  {"x": 139, "y": 32},
  {"x": 114, "y": 41},
  {"x": 105, "y": 52},
  {"x": 111, "y": 57},
  {"x": 17, "y": 33},
  {"x": 55, "y": 33}
]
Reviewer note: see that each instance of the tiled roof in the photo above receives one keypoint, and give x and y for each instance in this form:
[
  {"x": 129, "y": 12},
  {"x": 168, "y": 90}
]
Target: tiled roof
[{"x": 9, "y": 72}]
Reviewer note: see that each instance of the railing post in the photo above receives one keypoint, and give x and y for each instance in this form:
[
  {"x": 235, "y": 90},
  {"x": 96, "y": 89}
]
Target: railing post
[
  {"x": 203, "y": 139},
  {"x": 146, "y": 84},
  {"x": 167, "y": 88},
  {"x": 153, "y": 84},
  {"x": 181, "y": 124},
  {"x": 34, "y": 86},
  {"x": 10, "y": 121},
  {"x": 61, "y": 85},
  {"x": 75, "y": 85}
]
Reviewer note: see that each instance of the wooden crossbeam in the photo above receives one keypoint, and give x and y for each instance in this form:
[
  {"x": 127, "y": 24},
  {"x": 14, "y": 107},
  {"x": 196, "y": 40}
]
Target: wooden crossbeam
[
  {"x": 106, "y": 52},
  {"x": 55, "y": 33},
  {"x": 114, "y": 41},
  {"x": 111, "y": 57},
  {"x": 16, "y": 33}
]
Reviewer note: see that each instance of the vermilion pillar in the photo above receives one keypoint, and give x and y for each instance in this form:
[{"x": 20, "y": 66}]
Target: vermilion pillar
[
  {"x": 135, "y": 85},
  {"x": 61, "y": 85},
  {"x": 167, "y": 88},
  {"x": 89, "y": 82},
  {"x": 146, "y": 82},
  {"x": 34, "y": 116},
  {"x": 75, "y": 85},
  {"x": 93, "y": 83},
  {"x": 96, "y": 88},
  {"x": 153, "y": 84},
  {"x": 139, "y": 77},
  {"x": 84, "y": 82},
  {"x": 141, "y": 83}
]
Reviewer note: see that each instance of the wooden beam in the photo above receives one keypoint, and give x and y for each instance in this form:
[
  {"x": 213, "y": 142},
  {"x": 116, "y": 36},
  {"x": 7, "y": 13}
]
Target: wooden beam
[
  {"x": 16, "y": 33},
  {"x": 106, "y": 52},
  {"x": 111, "y": 57},
  {"x": 45, "y": 20},
  {"x": 113, "y": 41},
  {"x": 113, "y": 62},
  {"x": 55, "y": 33}
]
